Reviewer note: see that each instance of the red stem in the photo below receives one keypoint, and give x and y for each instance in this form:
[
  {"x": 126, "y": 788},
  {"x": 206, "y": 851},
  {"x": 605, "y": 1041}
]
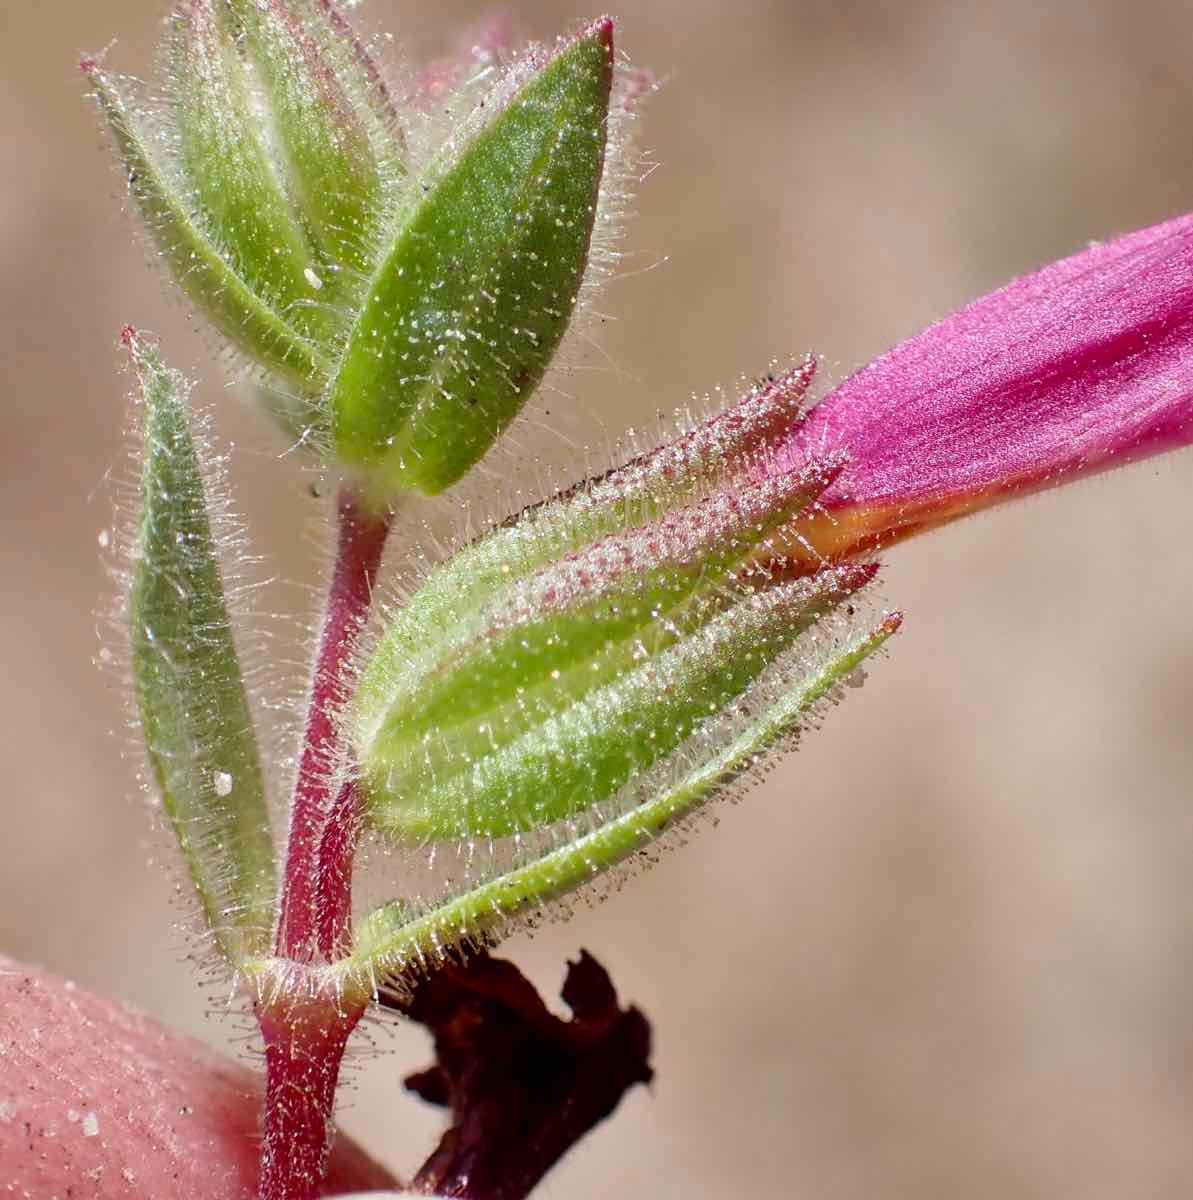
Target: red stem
[
  {"x": 305, "y": 1037},
  {"x": 322, "y": 820},
  {"x": 333, "y": 883},
  {"x": 305, "y": 1027}
]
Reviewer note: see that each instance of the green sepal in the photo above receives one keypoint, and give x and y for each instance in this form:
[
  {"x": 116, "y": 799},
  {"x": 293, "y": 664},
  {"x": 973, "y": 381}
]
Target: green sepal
[
  {"x": 543, "y": 642},
  {"x": 391, "y": 942},
  {"x": 197, "y": 264},
  {"x": 487, "y": 779},
  {"x": 473, "y": 296},
  {"x": 194, "y": 714},
  {"x": 448, "y": 608}
]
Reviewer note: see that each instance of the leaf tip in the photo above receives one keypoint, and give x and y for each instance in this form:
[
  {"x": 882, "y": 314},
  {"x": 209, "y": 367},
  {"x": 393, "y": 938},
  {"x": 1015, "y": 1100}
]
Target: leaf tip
[
  {"x": 891, "y": 623},
  {"x": 852, "y": 577},
  {"x": 601, "y": 30}
]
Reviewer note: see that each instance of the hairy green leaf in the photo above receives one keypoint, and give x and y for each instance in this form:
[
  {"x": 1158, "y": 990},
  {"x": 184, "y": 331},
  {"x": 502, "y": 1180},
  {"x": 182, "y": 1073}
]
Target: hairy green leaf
[
  {"x": 471, "y": 300},
  {"x": 203, "y": 272},
  {"x": 240, "y": 200},
  {"x": 194, "y": 714}
]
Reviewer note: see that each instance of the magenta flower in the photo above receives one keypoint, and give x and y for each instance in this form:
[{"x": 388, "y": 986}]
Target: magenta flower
[{"x": 1085, "y": 365}]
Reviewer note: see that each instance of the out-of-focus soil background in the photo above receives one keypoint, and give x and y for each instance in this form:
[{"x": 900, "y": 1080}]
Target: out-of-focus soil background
[{"x": 947, "y": 949}]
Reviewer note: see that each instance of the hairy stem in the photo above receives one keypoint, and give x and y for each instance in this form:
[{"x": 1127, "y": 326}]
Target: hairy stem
[
  {"x": 318, "y": 873},
  {"x": 305, "y": 1026},
  {"x": 333, "y": 876},
  {"x": 305, "y": 1035}
]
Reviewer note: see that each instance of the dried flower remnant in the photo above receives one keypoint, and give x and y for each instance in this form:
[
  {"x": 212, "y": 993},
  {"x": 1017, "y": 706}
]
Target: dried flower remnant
[{"x": 523, "y": 1085}]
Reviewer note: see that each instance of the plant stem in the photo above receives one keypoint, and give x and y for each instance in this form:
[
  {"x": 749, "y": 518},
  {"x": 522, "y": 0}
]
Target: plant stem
[
  {"x": 305, "y": 1036},
  {"x": 322, "y": 816},
  {"x": 305, "y": 1022},
  {"x": 333, "y": 876}
]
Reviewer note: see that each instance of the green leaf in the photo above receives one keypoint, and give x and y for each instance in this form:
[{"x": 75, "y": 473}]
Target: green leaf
[
  {"x": 208, "y": 279},
  {"x": 240, "y": 200},
  {"x": 323, "y": 137},
  {"x": 391, "y": 941},
  {"x": 194, "y": 714},
  {"x": 469, "y": 304}
]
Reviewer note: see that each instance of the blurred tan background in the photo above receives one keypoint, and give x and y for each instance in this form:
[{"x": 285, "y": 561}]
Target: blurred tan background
[{"x": 947, "y": 950}]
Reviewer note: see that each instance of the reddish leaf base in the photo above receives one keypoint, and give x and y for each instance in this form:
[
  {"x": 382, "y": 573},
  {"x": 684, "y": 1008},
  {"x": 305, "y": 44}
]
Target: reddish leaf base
[
  {"x": 101, "y": 1103},
  {"x": 523, "y": 1085}
]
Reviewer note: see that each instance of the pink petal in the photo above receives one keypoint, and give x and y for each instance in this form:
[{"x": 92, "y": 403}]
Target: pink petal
[
  {"x": 1085, "y": 365},
  {"x": 99, "y": 1101}
]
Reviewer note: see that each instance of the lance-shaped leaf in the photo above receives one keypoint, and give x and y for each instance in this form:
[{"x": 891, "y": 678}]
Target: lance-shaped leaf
[
  {"x": 194, "y": 714},
  {"x": 240, "y": 199},
  {"x": 324, "y": 26},
  {"x": 471, "y": 300},
  {"x": 323, "y": 135},
  {"x": 482, "y": 785},
  {"x": 391, "y": 940},
  {"x": 199, "y": 265}
]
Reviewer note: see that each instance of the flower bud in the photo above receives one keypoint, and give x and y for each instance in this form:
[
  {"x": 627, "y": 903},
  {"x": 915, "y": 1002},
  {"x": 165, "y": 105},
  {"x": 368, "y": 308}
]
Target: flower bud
[
  {"x": 237, "y": 193},
  {"x": 192, "y": 248},
  {"x": 504, "y": 700},
  {"x": 401, "y": 311}
]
